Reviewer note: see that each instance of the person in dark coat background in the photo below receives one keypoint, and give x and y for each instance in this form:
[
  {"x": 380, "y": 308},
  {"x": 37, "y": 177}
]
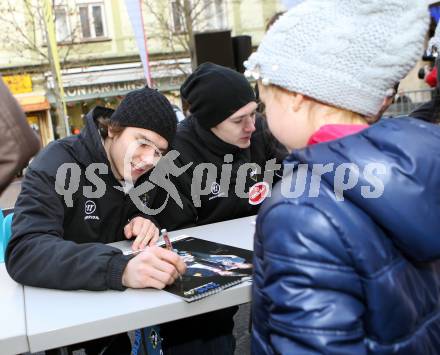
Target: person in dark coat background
[
  {"x": 430, "y": 111},
  {"x": 18, "y": 143},
  {"x": 346, "y": 250}
]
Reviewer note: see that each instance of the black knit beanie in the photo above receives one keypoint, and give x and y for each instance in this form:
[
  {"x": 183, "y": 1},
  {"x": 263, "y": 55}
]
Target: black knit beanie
[
  {"x": 214, "y": 93},
  {"x": 147, "y": 108}
]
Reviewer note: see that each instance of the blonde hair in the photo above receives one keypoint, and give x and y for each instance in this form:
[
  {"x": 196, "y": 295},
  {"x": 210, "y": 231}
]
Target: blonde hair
[{"x": 344, "y": 116}]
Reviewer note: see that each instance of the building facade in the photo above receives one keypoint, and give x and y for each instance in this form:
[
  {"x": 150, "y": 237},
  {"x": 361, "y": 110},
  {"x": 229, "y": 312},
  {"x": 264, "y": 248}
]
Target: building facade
[{"x": 98, "y": 53}]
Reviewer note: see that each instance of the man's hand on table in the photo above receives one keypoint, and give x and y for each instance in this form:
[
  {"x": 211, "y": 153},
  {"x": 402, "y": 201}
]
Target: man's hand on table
[{"x": 144, "y": 230}]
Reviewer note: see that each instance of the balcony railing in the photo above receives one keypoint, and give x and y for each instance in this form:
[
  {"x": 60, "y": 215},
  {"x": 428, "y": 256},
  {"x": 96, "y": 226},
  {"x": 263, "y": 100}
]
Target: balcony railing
[{"x": 405, "y": 102}]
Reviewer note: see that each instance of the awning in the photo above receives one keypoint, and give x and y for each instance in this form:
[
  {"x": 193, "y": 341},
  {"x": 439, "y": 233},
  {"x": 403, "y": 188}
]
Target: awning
[{"x": 32, "y": 102}]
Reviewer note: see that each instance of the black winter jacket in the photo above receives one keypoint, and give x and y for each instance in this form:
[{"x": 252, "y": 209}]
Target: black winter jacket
[
  {"x": 58, "y": 246},
  {"x": 220, "y": 202}
]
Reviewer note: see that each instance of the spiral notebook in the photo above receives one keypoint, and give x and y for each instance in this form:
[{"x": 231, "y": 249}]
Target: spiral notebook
[{"x": 211, "y": 267}]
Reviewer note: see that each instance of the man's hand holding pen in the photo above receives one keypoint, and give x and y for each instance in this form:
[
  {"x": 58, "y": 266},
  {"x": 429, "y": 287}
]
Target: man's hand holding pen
[{"x": 153, "y": 267}]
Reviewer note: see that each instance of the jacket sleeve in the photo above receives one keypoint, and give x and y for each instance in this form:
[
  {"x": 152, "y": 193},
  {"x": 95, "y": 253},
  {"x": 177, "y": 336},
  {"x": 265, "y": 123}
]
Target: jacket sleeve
[
  {"x": 306, "y": 285},
  {"x": 18, "y": 142},
  {"x": 37, "y": 255}
]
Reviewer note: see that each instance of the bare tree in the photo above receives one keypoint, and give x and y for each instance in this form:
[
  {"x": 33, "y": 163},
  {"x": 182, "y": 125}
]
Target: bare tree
[
  {"x": 178, "y": 20},
  {"x": 24, "y": 32}
]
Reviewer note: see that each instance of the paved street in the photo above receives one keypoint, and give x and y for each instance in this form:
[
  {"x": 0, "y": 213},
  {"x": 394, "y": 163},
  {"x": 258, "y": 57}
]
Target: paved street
[{"x": 241, "y": 330}]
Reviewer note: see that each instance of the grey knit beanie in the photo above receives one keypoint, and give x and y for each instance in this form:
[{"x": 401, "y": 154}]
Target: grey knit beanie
[{"x": 346, "y": 53}]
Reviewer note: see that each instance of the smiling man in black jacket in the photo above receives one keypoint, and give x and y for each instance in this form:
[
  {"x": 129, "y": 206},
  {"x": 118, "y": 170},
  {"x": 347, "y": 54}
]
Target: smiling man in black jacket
[{"x": 74, "y": 200}]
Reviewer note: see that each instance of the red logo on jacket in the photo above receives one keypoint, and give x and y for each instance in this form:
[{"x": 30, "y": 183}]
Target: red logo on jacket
[{"x": 258, "y": 192}]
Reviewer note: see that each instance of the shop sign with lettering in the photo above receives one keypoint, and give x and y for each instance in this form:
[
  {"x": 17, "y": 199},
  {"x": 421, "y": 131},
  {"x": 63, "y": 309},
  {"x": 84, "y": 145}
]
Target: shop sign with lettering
[{"x": 110, "y": 89}]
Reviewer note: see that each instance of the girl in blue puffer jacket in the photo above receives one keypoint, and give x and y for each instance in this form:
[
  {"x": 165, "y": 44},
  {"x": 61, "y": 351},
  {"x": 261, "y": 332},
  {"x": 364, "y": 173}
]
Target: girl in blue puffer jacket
[{"x": 347, "y": 249}]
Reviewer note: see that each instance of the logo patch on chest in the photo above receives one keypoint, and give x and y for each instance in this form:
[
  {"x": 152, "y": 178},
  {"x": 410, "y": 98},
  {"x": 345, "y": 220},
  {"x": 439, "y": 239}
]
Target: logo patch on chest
[
  {"x": 258, "y": 193},
  {"x": 89, "y": 209},
  {"x": 216, "y": 191}
]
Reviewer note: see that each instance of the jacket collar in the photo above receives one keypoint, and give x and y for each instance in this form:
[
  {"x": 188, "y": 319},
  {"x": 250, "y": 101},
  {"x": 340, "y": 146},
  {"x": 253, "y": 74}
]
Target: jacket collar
[
  {"x": 91, "y": 138},
  {"x": 213, "y": 143},
  {"x": 330, "y": 132}
]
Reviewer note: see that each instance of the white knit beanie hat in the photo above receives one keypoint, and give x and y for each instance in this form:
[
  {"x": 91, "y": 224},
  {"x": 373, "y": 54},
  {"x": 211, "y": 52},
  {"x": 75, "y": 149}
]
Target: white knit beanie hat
[{"x": 346, "y": 53}]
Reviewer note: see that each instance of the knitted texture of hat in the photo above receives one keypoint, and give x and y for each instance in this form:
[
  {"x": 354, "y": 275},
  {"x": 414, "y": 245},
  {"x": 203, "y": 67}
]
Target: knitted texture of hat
[
  {"x": 147, "y": 108},
  {"x": 215, "y": 92},
  {"x": 346, "y": 53}
]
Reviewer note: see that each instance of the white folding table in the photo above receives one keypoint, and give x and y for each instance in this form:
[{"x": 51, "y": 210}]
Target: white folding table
[
  {"x": 13, "y": 338},
  {"x": 57, "y": 318}
]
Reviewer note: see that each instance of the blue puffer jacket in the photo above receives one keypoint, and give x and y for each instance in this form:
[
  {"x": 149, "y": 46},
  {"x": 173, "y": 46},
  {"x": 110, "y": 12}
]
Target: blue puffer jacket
[{"x": 358, "y": 276}]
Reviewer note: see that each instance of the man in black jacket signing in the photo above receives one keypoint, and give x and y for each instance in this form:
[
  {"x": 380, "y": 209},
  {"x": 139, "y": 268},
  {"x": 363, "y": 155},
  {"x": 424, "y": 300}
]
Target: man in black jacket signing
[{"x": 75, "y": 198}]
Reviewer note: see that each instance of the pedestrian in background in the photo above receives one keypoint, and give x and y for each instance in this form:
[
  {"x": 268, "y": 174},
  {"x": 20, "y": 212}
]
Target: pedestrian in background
[
  {"x": 430, "y": 111},
  {"x": 18, "y": 142}
]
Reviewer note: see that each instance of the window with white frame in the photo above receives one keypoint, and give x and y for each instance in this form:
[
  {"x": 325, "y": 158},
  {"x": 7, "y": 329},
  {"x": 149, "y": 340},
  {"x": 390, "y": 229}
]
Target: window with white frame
[
  {"x": 62, "y": 26},
  {"x": 221, "y": 14},
  {"x": 177, "y": 15},
  {"x": 215, "y": 13},
  {"x": 92, "y": 20}
]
